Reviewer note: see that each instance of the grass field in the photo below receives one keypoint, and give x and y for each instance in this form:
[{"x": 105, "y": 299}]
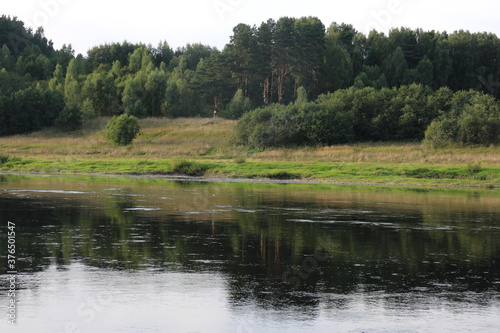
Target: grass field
[{"x": 204, "y": 147}]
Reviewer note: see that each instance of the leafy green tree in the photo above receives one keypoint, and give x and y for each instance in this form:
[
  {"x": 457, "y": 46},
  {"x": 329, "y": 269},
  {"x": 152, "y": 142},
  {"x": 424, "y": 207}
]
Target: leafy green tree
[
  {"x": 243, "y": 51},
  {"x": 11, "y": 82},
  {"x": 134, "y": 95},
  {"x": 64, "y": 55},
  {"x": 330, "y": 123},
  {"x": 287, "y": 125},
  {"x": 409, "y": 41},
  {"x": 302, "y": 98},
  {"x": 309, "y": 53},
  {"x": 358, "y": 61},
  {"x": 238, "y": 106},
  {"x": 100, "y": 88},
  {"x": 108, "y": 53},
  {"x": 283, "y": 55},
  {"x": 122, "y": 130},
  {"x": 465, "y": 60},
  {"x": 473, "y": 119},
  {"x": 117, "y": 69},
  {"x": 155, "y": 90},
  {"x": 377, "y": 48},
  {"x": 172, "y": 105},
  {"x": 213, "y": 81},
  {"x": 87, "y": 110},
  {"x": 192, "y": 54},
  {"x": 440, "y": 133},
  {"x": 141, "y": 60},
  {"x": 70, "y": 118},
  {"x": 339, "y": 68},
  {"x": 442, "y": 61},
  {"x": 39, "y": 67},
  {"x": 415, "y": 114},
  {"x": 425, "y": 70},
  {"x": 371, "y": 76},
  {"x": 57, "y": 81},
  {"x": 479, "y": 122},
  {"x": 440, "y": 102},
  {"x": 31, "y": 109},
  {"x": 6, "y": 58},
  {"x": 190, "y": 98},
  {"x": 342, "y": 35},
  {"x": 395, "y": 68},
  {"x": 32, "y": 63},
  {"x": 162, "y": 54},
  {"x": 265, "y": 39},
  {"x": 248, "y": 124},
  {"x": 72, "y": 89}
]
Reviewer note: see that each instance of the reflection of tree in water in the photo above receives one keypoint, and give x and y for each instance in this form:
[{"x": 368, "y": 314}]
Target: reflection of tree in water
[
  {"x": 266, "y": 239},
  {"x": 380, "y": 251},
  {"x": 34, "y": 249}
]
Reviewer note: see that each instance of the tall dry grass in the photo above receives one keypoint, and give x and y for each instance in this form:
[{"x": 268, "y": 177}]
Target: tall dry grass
[{"x": 202, "y": 138}]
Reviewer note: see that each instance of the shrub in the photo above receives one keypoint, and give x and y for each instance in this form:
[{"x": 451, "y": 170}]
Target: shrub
[
  {"x": 440, "y": 133},
  {"x": 479, "y": 122},
  {"x": 474, "y": 169},
  {"x": 247, "y": 124},
  {"x": 282, "y": 175},
  {"x": 262, "y": 136},
  {"x": 122, "y": 130},
  {"x": 189, "y": 168},
  {"x": 327, "y": 126},
  {"x": 473, "y": 120}
]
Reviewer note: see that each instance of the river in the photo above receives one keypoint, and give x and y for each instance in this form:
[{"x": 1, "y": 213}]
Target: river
[{"x": 116, "y": 254}]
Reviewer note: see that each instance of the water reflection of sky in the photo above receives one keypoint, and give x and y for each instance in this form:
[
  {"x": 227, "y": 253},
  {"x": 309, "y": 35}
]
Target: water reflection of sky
[
  {"x": 79, "y": 298},
  {"x": 168, "y": 257}
]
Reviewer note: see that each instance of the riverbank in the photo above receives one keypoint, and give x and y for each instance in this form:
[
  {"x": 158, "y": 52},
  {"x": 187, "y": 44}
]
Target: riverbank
[{"x": 203, "y": 148}]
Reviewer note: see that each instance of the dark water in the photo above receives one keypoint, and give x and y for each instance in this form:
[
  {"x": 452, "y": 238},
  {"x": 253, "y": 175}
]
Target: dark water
[{"x": 139, "y": 255}]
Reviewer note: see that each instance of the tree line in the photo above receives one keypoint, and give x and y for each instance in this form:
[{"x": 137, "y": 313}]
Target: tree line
[{"x": 276, "y": 62}]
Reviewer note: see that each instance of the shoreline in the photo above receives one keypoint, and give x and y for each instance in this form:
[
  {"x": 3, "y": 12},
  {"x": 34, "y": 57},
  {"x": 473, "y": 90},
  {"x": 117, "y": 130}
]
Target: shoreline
[{"x": 209, "y": 179}]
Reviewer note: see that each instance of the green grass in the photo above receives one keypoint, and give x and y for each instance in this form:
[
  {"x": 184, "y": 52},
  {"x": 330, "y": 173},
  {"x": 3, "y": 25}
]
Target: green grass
[
  {"x": 203, "y": 147},
  {"x": 316, "y": 172}
]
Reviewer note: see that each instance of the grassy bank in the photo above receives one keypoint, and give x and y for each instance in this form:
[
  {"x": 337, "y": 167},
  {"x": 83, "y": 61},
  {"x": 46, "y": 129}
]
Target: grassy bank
[{"x": 202, "y": 147}]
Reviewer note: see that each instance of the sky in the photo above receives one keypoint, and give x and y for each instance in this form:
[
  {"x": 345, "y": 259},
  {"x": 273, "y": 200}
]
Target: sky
[{"x": 88, "y": 23}]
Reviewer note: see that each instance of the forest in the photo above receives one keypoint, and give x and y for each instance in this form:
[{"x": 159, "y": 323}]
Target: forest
[{"x": 292, "y": 81}]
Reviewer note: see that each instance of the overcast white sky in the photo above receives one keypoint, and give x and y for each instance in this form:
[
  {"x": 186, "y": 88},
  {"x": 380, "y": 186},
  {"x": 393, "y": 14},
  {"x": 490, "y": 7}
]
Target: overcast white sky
[{"x": 87, "y": 23}]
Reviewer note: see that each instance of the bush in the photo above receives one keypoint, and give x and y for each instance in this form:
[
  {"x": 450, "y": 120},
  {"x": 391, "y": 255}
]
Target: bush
[
  {"x": 440, "y": 133},
  {"x": 248, "y": 123},
  {"x": 189, "y": 168},
  {"x": 407, "y": 113},
  {"x": 473, "y": 120},
  {"x": 282, "y": 175},
  {"x": 122, "y": 130},
  {"x": 328, "y": 126},
  {"x": 474, "y": 169},
  {"x": 479, "y": 122}
]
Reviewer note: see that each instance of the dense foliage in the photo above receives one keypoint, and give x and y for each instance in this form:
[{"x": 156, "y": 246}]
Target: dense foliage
[
  {"x": 122, "y": 130},
  {"x": 388, "y": 77},
  {"x": 368, "y": 114},
  {"x": 472, "y": 119}
]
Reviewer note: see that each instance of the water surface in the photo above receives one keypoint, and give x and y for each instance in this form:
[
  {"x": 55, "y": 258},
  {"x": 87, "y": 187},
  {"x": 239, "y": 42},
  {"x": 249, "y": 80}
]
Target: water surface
[{"x": 151, "y": 255}]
